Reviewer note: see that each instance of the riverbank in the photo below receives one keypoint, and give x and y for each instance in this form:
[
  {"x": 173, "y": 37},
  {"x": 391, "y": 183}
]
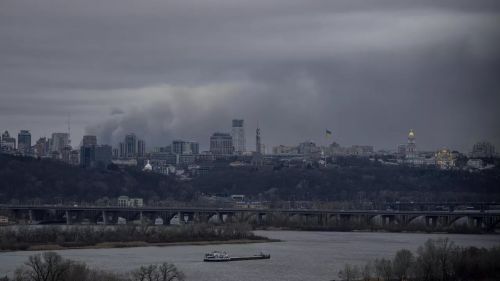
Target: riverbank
[
  {"x": 395, "y": 229},
  {"x": 81, "y": 237},
  {"x": 111, "y": 245}
]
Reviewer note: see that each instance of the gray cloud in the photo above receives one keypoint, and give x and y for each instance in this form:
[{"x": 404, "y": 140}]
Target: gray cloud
[{"x": 368, "y": 70}]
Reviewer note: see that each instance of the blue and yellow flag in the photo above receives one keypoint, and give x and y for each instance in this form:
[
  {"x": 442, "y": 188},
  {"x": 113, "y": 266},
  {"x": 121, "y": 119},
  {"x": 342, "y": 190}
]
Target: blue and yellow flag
[{"x": 328, "y": 133}]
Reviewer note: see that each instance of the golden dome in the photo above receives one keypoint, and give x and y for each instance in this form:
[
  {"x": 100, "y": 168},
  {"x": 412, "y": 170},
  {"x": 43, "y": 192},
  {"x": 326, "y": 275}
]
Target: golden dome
[{"x": 411, "y": 134}]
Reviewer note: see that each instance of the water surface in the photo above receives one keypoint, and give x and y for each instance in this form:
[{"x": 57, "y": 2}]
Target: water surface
[{"x": 301, "y": 256}]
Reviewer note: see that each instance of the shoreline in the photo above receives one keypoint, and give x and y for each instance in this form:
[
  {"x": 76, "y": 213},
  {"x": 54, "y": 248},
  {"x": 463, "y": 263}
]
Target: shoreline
[
  {"x": 134, "y": 244},
  {"x": 373, "y": 231}
]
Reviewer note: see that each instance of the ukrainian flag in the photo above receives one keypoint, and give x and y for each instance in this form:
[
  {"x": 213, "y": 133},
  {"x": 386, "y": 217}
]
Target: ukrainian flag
[{"x": 328, "y": 133}]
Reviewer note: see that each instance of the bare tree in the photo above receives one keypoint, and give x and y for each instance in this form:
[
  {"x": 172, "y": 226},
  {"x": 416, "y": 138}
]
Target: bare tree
[
  {"x": 386, "y": 269},
  {"x": 367, "y": 271},
  {"x": 379, "y": 269},
  {"x": 349, "y": 273},
  {"x": 168, "y": 272},
  {"x": 444, "y": 254},
  {"x": 402, "y": 263},
  {"x": 48, "y": 266},
  {"x": 426, "y": 261},
  {"x": 163, "y": 272}
]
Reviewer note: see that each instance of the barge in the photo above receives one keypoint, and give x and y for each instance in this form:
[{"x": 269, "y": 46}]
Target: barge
[{"x": 217, "y": 256}]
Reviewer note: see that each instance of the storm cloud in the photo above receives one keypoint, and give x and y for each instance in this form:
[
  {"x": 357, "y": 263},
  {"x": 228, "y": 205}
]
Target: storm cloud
[{"x": 367, "y": 70}]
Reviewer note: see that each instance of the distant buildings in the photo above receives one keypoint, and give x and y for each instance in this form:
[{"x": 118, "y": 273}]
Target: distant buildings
[
  {"x": 475, "y": 163},
  {"x": 93, "y": 155},
  {"x": 42, "y": 147},
  {"x": 401, "y": 150},
  {"x": 221, "y": 144},
  {"x": 257, "y": 159},
  {"x": 445, "y": 159},
  {"x": 285, "y": 150},
  {"x": 185, "y": 147},
  {"x": 24, "y": 142},
  {"x": 132, "y": 147},
  {"x": 125, "y": 201},
  {"x": 183, "y": 157},
  {"x": 58, "y": 142},
  {"x": 8, "y": 143},
  {"x": 89, "y": 140},
  {"x": 238, "y": 135},
  {"x": 141, "y": 148},
  {"x": 308, "y": 148},
  {"x": 411, "y": 147},
  {"x": 483, "y": 149}
]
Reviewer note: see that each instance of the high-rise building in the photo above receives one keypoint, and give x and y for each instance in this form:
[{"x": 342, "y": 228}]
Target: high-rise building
[
  {"x": 24, "y": 142},
  {"x": 116, "y": 153},
  {"x": 130, "y": 146},
  {"x": 123, "y": 153},
  {"x": 411, "y": 147},
  {"x": 95, "y": 156},
  {"x": 59, "y": 141},
  {"x": 8, "y": 143},
  {"x": 257, "y": 159},
  {"x": 89, "y": 140},
  {"x": 42, "y": 147},
  {"x": 402, "y": 150},
  {"x": 238, "y": 134},
  {"x": 221, "y": 144},
  {"x": 74, "y": 157},
  {"x": 141, "y": 148},
  {"x": 66, "y": 154},
  {"x": 258, "y": 145},
  {"x": 308, "y": 148},
  {"x": 483, "y": 149},
  {"x": 103, "y": 155},
  {"x": 185, "y": 147}
]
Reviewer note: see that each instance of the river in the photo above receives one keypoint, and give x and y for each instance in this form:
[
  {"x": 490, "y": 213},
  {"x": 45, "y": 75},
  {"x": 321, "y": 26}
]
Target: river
[{"x": 301, "y": 256}]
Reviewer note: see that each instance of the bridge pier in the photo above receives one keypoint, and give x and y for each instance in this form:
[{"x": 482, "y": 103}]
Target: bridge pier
[
  {"x": 30, "y": 215},
  {"x": 104, "y": 218},
  {"x": 431, "y": 221},
  {"x": 68, "y": 219}
]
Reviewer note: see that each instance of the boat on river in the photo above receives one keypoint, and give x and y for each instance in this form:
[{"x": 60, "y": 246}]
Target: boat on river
[{"x": 217, "y": 256}]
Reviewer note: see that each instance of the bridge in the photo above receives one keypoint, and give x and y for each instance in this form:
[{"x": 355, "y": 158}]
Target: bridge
[{"x": 109, "y": 215}]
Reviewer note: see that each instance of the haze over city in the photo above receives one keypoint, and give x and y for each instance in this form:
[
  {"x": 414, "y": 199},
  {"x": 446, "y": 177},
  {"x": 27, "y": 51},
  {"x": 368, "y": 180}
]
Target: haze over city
[{"x": 366, "y": 70}]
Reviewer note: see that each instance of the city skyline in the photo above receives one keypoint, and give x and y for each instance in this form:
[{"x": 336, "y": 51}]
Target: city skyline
[
  {"x": 367, "y": 71},
  {"x": 204, "y": 145}
]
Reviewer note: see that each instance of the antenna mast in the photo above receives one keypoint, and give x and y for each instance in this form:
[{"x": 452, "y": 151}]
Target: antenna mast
[{"x": 69, "y": 127}]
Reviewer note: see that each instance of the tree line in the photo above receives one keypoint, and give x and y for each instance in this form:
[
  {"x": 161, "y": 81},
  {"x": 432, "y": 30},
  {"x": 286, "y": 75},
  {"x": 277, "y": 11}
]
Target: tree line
[
  {"x": 50, "y": 266},
  {"x": 24, "y": 237},
  {"x": 436, "y": 260},
  {"x": 349, "y": 179}
]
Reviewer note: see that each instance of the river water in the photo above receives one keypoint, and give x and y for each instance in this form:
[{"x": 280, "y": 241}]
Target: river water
[{"x": 301, "y": 256}]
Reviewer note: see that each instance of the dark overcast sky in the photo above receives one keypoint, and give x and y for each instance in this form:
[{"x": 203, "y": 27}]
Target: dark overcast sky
[{"x": 367, "y": 70}]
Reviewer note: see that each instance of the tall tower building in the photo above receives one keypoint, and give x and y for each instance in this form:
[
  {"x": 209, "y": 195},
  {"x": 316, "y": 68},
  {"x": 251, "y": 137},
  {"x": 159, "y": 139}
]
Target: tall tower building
[
  {"x": 221, "y": 144},
  {"x": 59, "y": 142},
  {"x": 411, "y": 147},
  {"x": 130, "y": 146},
  {"x": 258, "y": 145},
  {"x": 89, "y": 140},
  {"x": 42, "y": 147},
  {"x": 8, "y": 142},
  {"x": 238, "y": 134},
  {"x": 24, "y": 141},
  {"x": 141, "y": 148},
  {"x": 257, "y": 157}
]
